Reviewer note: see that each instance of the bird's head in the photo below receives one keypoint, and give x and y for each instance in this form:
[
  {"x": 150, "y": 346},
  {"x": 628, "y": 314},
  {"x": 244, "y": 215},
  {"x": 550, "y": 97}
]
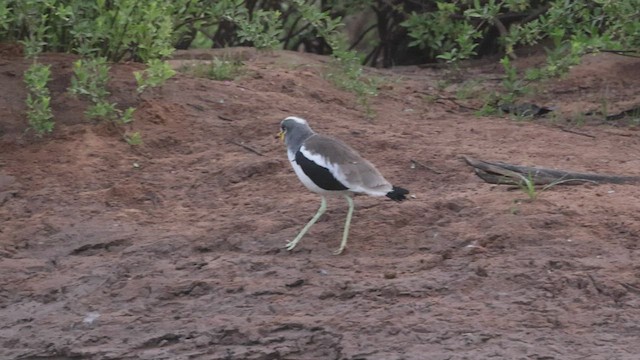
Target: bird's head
[{"x": 291, "y": 125}]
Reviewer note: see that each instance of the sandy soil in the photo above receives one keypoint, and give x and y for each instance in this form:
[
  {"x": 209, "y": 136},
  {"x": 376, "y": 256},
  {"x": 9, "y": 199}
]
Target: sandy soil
[{"x": 174, "y": 250}]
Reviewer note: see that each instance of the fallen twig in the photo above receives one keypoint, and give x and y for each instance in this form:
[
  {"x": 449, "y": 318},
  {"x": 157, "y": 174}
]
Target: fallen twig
[
  {"x": 595, "y": 284},
  {"x": 222, "y": 117},
  {"x": 630, "y": 287},
  {"x": 576, "y": 132},
  {"x": 415, "y": 163},
  {"x": 246, "y": 147},
  {"x": 437, "y": 98},
  {"x": 629, "y": 53},
  {"x": 196, "y": 106},
  {"x": 457, "y": 103}
]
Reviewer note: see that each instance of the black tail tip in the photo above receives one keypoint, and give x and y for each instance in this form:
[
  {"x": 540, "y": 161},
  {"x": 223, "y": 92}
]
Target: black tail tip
[{"x": 397, "y": 194}]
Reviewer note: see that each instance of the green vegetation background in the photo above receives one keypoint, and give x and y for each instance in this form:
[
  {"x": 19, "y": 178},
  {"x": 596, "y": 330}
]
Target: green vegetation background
[{"x": 383, "y": 33}]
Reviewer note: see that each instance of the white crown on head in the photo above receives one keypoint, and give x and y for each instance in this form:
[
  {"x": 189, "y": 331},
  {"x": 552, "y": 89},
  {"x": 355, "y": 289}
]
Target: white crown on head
[{"x": 297, "y": 119}]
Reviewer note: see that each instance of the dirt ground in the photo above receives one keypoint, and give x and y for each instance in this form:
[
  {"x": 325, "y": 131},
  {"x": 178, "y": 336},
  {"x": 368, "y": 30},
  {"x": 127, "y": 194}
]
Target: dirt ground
[{"x": 174, "y": 249}]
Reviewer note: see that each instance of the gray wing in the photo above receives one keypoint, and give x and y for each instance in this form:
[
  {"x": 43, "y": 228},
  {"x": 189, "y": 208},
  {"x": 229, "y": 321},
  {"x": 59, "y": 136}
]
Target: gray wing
[{"x": 347, "y": 165}]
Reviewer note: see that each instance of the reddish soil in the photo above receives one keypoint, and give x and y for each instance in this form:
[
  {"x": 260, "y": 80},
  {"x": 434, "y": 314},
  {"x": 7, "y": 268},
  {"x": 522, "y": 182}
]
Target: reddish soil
[{"x": 174, "y": 249}]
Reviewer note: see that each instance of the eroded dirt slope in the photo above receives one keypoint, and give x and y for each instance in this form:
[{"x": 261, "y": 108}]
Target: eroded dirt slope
[{"x": 173, "y": 250}]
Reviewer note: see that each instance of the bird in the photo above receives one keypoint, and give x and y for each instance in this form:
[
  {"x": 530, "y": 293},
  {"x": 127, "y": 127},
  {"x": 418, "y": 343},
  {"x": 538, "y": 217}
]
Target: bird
[{"x": 329, "y": 167}]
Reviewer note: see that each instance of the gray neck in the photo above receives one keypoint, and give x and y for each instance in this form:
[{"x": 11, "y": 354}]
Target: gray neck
[{"x": 294, "y": 139}]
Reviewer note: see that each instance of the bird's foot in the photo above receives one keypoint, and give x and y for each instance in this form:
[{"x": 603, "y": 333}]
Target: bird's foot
[
  {"x": 290, "y": 245},
  {"x": 339, "y": 251}
]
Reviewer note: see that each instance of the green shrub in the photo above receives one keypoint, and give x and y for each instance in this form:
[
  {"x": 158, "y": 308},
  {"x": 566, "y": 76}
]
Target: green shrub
[
  {"x": 263, "y": 29},
  {"x": 115, "y": 29},
  {"x": 443, "y": 37},
  {"x": 452, "y": 32},
  {"x": 147, "y": 31}
]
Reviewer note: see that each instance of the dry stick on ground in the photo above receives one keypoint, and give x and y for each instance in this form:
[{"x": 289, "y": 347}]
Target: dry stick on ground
[
  {"x": 448, "y": 99},
  {"x": 507, "y": 174},
  {"x": 247, "y": 147},
  {"x": 416, "y": 163},
  {"x": 576, "y": 132}
]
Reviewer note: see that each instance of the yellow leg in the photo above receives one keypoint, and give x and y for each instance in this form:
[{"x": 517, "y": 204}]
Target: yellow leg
[
  {"x": 347, "y": 224},
  {"x": 323, "y": 206}
]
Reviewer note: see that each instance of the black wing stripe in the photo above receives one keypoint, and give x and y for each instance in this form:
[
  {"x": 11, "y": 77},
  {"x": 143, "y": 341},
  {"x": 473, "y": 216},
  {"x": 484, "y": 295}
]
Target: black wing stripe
[{"x": 320, "y": 175}]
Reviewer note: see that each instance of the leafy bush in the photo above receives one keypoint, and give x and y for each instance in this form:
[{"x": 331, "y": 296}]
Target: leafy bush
[
  {"x": 574, "y": 28},
  {"x": 453, "y": 31},
  {"x": 144, "y": 30},
  {"x": 116, "y": 29},
  {"x": 263, "y": 29},
  {"x": 395, "y": 32},
  {"x": 100, "y": 31},
  {"x": 441, "y": 35}
]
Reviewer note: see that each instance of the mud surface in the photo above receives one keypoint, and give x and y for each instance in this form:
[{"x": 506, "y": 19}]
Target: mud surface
[{"x": 174, "y": 249}]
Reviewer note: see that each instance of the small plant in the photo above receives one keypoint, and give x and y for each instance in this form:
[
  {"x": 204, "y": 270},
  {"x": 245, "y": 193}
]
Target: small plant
[
  {"x": 224, "y": 69},
  {"x": 217, "y": 69},
  {"x": 488, "y": 110},
  {"x": 528, "y": 186},
  {"x": 37, "y": 76},
  {"x": 156, "y": 74},
  {"x": 430, "y": 98},
  {"x": 90, "y": 78},
  {"x": 555, "y": 118},
  {"x": 133, "y": 139},
  {"x": 579, "y": 119},
  {"x": 604, "y": 106},
  {"x": 468, "y": 89},
  {"x": 534, "y": 74},
  {"x": 101, "y": 110},
  {"x": 126, "y": 116},
  {"x": 512, "y": 84},
  {"x": 38, "y": 99},
  {"x": 442, "y": 84}
]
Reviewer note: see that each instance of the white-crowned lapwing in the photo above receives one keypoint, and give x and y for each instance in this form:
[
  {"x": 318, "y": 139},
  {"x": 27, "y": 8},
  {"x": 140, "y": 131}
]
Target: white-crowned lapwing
[{"x": 330, "y": 167}]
